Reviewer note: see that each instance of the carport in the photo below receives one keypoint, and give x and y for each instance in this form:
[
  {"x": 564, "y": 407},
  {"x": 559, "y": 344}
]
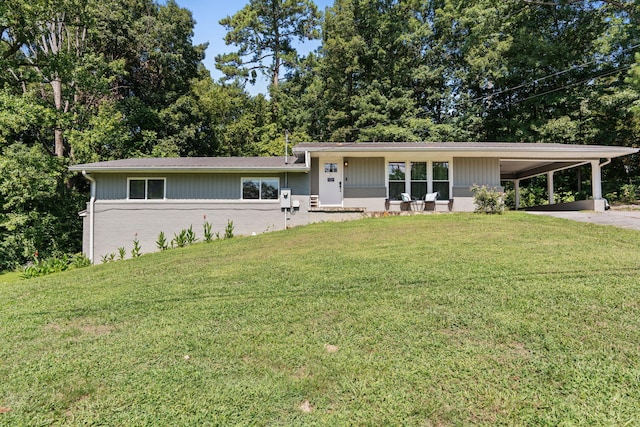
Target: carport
[{"x": 546, "y": 159}]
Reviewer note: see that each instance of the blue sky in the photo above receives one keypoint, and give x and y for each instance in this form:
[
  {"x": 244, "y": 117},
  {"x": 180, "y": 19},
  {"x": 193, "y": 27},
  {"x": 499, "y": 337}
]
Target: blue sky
[{"x": 208, "y": 13}]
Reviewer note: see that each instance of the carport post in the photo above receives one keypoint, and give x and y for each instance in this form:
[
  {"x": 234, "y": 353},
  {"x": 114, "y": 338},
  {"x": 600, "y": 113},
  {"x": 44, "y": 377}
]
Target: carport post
[
  {"x": 516, "y": 185},
  {"x": 596, "y": 180},
  {"x": 550, "y": 187}
]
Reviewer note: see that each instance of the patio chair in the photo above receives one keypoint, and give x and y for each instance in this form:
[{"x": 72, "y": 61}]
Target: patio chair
[{"x": 430, "y": 200}]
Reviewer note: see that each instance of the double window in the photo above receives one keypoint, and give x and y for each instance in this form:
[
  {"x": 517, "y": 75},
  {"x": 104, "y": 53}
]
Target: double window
[
  {"x": 260, "y": 188},
  {"x": 146, "y": 189},
  {"x": 418, "y": 179}
]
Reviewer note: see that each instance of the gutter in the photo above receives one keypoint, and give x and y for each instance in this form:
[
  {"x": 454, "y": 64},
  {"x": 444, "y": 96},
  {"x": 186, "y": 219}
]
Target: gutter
[{"x": 92, "y": 201}]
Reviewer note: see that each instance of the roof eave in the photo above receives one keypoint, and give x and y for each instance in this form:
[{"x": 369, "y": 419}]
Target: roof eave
[{"x": 173, "y": 169}]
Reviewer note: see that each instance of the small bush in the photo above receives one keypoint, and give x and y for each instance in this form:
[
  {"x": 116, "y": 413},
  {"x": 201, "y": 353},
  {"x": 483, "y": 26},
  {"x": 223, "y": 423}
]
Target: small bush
[
  {"x": 49, "y": 266},
  {"x": 80, "y": 260},
  {"x": 161, "y": 243},
  {"x": 179, "y": 240},
  {"x": 135, "y": 252},
  {"x": 190, "y": 236},
  {"x": 108, "y": 258},
  {"x": 228, "y": 231},
  {"x": 208, "y": 235},
  {"x": 488, "y": 200}
]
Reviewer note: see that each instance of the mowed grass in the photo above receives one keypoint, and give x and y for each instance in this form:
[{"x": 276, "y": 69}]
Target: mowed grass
[{"x": 426, "y": 320}]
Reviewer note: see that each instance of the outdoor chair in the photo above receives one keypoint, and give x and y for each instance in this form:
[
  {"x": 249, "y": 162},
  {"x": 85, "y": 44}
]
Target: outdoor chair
[{"x": 430, "y": 201}]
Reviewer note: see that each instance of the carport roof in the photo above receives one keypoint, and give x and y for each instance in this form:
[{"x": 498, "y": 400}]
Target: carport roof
[
  {"x": 511, "y": 150},
  {"x": 519, "y": 160}
]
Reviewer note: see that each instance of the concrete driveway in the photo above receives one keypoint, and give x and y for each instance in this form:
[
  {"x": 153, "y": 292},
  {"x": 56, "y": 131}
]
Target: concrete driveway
[{"x": 624, "y": 217}]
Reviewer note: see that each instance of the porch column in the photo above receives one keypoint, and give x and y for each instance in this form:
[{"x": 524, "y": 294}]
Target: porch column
[
  {"x": 550, "y": 187},
  {"x": 596, "y": 180},
  {"x": 516, "y": 185}
]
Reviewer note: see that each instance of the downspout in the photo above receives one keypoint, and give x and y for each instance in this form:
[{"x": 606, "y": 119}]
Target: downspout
[
  {"x": 92, "y": 201},
  {"x": 605, "y": 163}
]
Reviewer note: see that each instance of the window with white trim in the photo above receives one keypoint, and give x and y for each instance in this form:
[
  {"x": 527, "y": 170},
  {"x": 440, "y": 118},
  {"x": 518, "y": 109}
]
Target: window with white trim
[
  {"x": 260, "y": 188},
  {"x": 397, "y": 178},
  {"x": 146, "y": 188},
  {"x": 418, "y": 178},
  {"x": 441, "y": 179},
  {"x": 419, "y": 183}
]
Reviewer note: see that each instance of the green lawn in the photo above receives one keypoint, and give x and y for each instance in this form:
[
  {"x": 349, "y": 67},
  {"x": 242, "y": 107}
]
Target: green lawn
[{"x": 425, "y": 320}]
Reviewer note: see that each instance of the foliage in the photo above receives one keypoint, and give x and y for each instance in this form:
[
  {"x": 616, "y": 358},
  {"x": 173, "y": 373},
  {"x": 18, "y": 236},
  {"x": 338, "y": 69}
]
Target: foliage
[
  {"x": 228, "y": 231},
  {"x": 474, "y": 336},
  {"x": 122, "y": 252},
  {"x": 38, "y": 212},
  {"x": 179, "y": 239},
  {"x": 488, "y": 200},
  {"x": 162, "y": 243},
  {"x": 190, "y": 236},
  {"x": 208, "y": 235},
  {"x": 80, "y": 260},
  {"x": 111, "y": 257},
  {"x": 135, "y": 252},
  {"x": 266, "y": 29},
  {"x": 55, "y": 264}
]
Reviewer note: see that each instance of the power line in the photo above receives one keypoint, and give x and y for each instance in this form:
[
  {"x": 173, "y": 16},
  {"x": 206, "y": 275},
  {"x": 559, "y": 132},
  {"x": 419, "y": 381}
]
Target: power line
[{"x": 556, "y": 74}]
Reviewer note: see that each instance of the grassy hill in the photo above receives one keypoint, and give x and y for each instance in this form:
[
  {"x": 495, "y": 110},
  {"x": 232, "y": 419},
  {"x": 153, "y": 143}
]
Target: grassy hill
[{"x": 425, "y": 320}]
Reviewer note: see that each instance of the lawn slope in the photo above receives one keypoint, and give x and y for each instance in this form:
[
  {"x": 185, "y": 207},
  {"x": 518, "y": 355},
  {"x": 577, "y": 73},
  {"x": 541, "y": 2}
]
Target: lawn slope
[{"x": 424, "y": 320}]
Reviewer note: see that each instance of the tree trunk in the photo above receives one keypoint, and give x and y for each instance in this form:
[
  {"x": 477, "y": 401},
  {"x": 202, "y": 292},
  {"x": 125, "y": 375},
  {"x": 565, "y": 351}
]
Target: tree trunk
[{"x": 56, "y": 85}]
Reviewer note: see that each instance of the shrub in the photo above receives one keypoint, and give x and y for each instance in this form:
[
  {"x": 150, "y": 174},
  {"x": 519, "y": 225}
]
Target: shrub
[
  {"x": 228, "y": 231},
  {"x": 208, "y": 235},
  {"x": 190, "y": 235},
  {"x": 161, "y": 243},
  {"x": 79, "y": 260},
  {"x": 55, "y": 265},
  {"x": 179, "y": 240},
  {"x": 488, "y": 200},
  {"x": 135, "y": 252}
]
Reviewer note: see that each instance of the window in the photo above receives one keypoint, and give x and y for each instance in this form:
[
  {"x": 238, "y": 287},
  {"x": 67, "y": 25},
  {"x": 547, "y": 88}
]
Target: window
[
  {"x": 146, "y": 188},
  {"x": 260, "y": 188},
  {"x": 330, "y": 167},
  {"x": 396, "y": 180},
  {"x": 418, "y": 180},
  {"x": 441, "y": 179}
]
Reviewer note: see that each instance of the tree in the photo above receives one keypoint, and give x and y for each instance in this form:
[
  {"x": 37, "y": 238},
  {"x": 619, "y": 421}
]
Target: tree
[
  {"x": 265, "y": 30},
  {"x": 38, "y": 212}
]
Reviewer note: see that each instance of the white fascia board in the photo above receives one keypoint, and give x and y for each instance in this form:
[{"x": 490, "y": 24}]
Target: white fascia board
[{"x": 551, "y": 153}]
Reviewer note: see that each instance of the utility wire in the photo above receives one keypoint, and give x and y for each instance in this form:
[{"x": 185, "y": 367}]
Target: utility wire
[{"x": 556, "y": 74}]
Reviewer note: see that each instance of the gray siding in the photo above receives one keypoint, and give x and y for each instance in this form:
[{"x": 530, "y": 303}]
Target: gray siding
[
  {"x": 481, "y": 171},
  {"x": 194, "y": 186},
  {"x": 300, "y": 184},
  {"x": 315, "y": 175},
  {"x": 365, "y": 172},
  {"x": 365, "y": 178}
]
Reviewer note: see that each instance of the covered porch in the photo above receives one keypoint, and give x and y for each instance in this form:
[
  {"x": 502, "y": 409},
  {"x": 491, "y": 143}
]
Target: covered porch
[{"x": 518, "y": 170}]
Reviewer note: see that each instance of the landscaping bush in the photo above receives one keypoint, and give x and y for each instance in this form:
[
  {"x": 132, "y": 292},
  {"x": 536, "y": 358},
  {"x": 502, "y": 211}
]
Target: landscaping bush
[{"x": 488, "y": 200}]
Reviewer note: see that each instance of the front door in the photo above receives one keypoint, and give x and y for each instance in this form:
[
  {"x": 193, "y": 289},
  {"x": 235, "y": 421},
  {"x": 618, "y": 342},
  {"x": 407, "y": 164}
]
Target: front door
[{"x": 330, "y": 182}]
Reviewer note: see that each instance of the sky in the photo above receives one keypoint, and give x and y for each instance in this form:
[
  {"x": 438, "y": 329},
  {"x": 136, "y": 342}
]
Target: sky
[{"x": 207, "y": 14}]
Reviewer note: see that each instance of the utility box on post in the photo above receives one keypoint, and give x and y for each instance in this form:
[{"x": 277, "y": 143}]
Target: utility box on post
[{"x": 285, "y": 198}]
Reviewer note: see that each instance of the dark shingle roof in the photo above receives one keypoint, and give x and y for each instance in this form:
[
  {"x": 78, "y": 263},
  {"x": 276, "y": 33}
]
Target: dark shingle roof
[{"x": 202, "y": 164}]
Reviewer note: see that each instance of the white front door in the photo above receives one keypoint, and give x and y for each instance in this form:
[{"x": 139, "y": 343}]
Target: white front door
[{"x": 330, "y": 182}]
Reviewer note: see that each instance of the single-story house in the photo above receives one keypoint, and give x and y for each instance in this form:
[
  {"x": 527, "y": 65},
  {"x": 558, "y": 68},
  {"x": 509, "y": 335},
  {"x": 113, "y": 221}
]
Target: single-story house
[{"x": 139, "y": 198}]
